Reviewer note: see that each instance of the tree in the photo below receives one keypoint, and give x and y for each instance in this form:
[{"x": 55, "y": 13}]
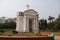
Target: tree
[
  {"x": 58, "y": 19},
  {"x": 56, "y": 26},
  {"x": 45, "y": 23},
  {"x": 42, "y": 24},
  {"x": 11, "y": 24},
  {"x": 50, "y": 19},
  {"x": 51, "y": 23}
]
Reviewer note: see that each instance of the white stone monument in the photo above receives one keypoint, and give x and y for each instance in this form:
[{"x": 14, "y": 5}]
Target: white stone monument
[{"x": 27, "y": 21}]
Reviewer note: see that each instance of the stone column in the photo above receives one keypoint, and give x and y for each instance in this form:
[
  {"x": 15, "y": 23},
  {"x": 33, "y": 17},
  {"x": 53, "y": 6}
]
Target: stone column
[
  {"x": 34, "y": 25},
  {"x": 37, "y": 28},
  {"x": 24, "y": 28},
  {"x": 27, "y": 26},
  {"x": 17, "y": 24}
]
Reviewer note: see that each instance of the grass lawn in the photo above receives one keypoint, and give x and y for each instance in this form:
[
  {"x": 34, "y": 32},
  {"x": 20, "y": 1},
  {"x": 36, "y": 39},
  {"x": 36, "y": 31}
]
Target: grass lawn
[{"x": 10, "y": 33}]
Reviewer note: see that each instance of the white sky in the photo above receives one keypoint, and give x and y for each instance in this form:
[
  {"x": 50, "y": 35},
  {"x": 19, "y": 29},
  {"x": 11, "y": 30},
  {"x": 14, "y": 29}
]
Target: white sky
[{"x": 45, "y": 8}]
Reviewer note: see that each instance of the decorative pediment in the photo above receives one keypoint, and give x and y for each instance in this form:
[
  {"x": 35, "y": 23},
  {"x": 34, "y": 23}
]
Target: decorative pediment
[{"x": 30, "y": 12}]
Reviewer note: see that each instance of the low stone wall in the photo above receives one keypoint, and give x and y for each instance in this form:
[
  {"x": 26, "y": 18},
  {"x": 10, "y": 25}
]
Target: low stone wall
[{"x": 25, "y": 38}]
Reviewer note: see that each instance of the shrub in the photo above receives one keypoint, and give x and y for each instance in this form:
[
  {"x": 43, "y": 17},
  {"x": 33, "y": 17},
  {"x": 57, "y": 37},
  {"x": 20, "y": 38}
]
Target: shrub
[
  {"x": 2, "y": 31},
  {"x": 9, "y": 35},
  {"x": 15, "y": 32}
]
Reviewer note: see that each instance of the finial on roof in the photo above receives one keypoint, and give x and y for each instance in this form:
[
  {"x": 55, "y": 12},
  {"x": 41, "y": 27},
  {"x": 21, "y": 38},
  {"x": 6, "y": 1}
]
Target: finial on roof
[{"x": 27, "y": 6}]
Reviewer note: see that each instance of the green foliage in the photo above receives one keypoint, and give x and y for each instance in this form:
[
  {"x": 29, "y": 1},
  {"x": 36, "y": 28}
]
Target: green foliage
[
  {"x": 8, "y": 25},
  {"x": 2, "y": 31},
  {"x": 14, "y": 32},
  {"x": 56, "y": 26},
  {"x": 9, "y": 35},
  {"x": 42, "y": 24},
  {"x": 50, "y": 26},
  {"x": 50, "y": 18}
]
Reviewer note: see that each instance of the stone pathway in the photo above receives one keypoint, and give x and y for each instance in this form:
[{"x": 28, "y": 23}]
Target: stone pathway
[{"x": 57, "y": 37}]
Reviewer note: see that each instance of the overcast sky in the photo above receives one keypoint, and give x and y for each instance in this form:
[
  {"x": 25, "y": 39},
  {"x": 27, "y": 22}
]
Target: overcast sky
[{"x": 45, "y": 8}]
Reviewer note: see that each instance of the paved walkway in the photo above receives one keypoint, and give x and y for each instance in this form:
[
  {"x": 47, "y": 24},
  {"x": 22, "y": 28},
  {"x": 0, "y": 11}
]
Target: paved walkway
[{"x": 57, "y": 37}]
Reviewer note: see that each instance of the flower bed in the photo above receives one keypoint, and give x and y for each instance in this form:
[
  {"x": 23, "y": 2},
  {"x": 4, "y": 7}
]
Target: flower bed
[{"x": 49, "y": 33}]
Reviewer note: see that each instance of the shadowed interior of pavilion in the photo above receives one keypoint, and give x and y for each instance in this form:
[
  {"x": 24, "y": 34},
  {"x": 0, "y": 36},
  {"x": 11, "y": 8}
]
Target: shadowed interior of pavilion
[{"x": 30, "y": 25}]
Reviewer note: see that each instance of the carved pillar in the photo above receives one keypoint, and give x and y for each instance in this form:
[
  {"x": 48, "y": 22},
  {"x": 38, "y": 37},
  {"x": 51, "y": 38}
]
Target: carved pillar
[
  {"x": 34, "y": 25},
  {"x": 24, "y": 28},
  {"x": 17, "y": 24},
  {"x": 36, "y": 28},
  {"x": 37, "y": 25},
  {"x": 27, "y": 25}
]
